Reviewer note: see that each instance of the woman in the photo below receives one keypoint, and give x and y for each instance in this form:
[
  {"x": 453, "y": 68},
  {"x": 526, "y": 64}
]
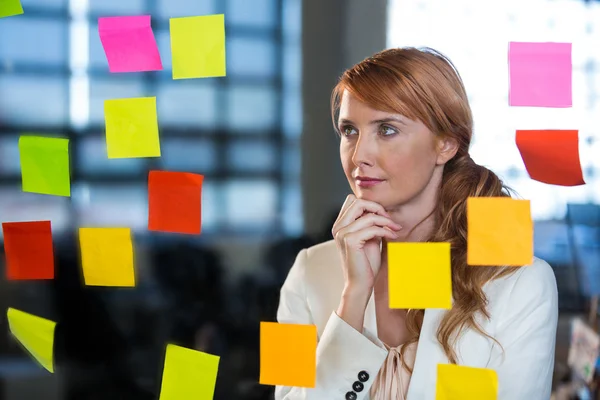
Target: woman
[{"x": 405, "y": 127}]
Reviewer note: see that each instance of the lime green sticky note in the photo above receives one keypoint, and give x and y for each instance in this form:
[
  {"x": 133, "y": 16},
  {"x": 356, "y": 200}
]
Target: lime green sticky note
[
  {"x": 198, "y": 46},
  {"x": 9, "y": 8},
  {"x": 419, "y": 275},
  {"x": 107, "y": 256},
  {"x": 36, "y": 334},
  {"x": 45, "y": 165},
  {"x": 132, "y": 128},
  {"x": 457, "y": 382},
  {"x": 188, "y": 374}
]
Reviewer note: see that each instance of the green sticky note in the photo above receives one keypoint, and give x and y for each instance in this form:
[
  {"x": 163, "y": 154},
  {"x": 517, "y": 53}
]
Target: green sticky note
[
  {"x": 9, "y": 8},
  {"x": 198, "y": 46},
  {"x": 36, "y": 334},
  {"x": 131, "y": 128},
  {"x": 188, "y": 374},
  {"x": 45, "y": 165}
]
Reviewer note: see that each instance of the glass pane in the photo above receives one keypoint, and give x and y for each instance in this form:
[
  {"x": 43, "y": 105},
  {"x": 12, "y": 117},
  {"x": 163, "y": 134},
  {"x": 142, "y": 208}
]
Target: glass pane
[
  {"x": 292, "y": 65},
  {"x": 185, "y": 103},
  {"x": 292, "y": 19},
  {"x": 9, "y": 155},
  {"x": 211, "y": 206},
  {"x": 93, "y": 158},
  {"x": 186, "y": 8},
  {"x": 115, "y": 87},
  {"x": 251, "y": 156},
  {"x": 292, "y": 160},
  {"x": 97, "y": 56},
  {"x": 256, "y": 13},
  {"x": 34, "y": 100},
  {"x": 33, "y": 40},
  {"x": 163, "y": 41},
  {"x": 250, "y": 204},
  {"x": 248, "y": 56},
  {"x": 16, "y": 205},
  {"x": 111, "y": 206},
  {"x": 251, "y": 107},
  {"x": 292, "y": 113},
  {"x": 188, "y": 155},
  {"x": 117, "y": 7},
  {"x": 292, "y": 218},
  {"x": 50, "y": 4}
]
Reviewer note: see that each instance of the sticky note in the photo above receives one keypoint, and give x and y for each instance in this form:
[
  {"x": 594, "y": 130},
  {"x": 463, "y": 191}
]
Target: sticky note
[
  {"x": 188, "y": 374},
  {"x": 129, "y": 44},
  {"x": 107, "y": 256},
  {"x": 198, "y": 46},
  {"x": 45, "y": 165},
  {"x": 28, "y": 249},
  {"x": 456, "y": 382},
  {"x": 419, "y": 275},
  {"x": 288, "y": 354},
  {"x": 8, "y": 8},
  {"x": 499, "y": 231},
  {"x": 540, "y": 74},
  {"x": 34, "y": 333},
  {"x": 551, "y": 156},
  {"x": 174, "y": 202},
  {"x": 132, "y": 128}
]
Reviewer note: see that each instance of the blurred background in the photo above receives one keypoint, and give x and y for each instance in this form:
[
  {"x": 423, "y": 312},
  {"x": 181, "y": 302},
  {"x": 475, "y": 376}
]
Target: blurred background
[{"x": 263, "y": 139}]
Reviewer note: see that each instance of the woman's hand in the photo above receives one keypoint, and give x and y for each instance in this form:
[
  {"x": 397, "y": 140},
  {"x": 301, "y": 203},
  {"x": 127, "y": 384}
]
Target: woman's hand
[{"x": 358, "y": 232}]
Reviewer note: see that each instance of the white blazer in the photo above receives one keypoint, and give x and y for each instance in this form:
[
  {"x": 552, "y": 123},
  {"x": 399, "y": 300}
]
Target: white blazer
[{"x": 523, "y": 309}]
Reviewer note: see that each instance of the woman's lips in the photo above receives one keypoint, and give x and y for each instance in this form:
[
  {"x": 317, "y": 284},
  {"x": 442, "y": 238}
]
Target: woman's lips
[{"x": 368, "y": 182}]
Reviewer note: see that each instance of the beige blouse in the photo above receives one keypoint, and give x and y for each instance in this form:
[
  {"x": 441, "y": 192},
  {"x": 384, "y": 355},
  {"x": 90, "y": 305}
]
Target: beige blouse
[{"x": 392, "y": 380}]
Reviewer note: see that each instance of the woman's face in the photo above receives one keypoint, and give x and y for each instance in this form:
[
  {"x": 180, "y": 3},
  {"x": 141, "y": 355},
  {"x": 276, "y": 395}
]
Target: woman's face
[{"x": 403, "y": 154}]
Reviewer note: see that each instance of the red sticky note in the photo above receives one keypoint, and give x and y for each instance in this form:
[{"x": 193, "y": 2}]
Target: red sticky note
[
  {"x": 174, "y": 202},
  {"x": 551, "y": 156},
  {"x": 29, "y": 251}
]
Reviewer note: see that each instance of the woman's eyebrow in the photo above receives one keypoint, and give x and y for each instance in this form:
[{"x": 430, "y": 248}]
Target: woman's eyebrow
[
  {"x": 388, "y": 119},
  {"x": 344, "y": 121}
]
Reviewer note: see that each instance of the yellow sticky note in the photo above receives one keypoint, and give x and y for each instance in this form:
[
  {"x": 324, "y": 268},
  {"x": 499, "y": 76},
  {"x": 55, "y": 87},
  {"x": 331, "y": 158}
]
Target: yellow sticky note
[
  {"x": 131, "y": 128},
  {"x": 288, "y": 354},
  {"x": 419, "y": 275},
  {"x": 198, "y": 46},
  {"x": 455, "y": 382},
  {"x": 499, "y": 231},
  {"x": 107, "y": 256},
  {"x": 188, "y": 374},
  {"x": 36, "y": 334}
]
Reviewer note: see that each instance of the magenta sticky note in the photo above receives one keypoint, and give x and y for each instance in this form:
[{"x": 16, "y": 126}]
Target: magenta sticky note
[
  {"x": 129, "y": 44},
  {"x": 540, "y": 74}
]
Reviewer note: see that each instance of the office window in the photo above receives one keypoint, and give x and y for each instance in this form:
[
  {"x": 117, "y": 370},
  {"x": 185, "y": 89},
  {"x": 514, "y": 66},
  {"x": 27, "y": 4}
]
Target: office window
[
  {"x": 240, "y": 131},
  {"x": 475, "y": 36}
]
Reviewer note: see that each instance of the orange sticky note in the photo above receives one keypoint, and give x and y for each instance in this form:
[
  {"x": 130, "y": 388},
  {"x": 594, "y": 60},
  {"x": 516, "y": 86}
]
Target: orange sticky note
[
  {"x": 419, "y": 275},
  {"x": 107, "y": 256},
  {"x": 288, "y": 354},
  {"x": 499, "y": 231},
  {"x": 551, "y": 156},
  {"x": 174, "y": 202},
  {"x": 29, "y": 251},
  {"x": 456, "y": 382}
]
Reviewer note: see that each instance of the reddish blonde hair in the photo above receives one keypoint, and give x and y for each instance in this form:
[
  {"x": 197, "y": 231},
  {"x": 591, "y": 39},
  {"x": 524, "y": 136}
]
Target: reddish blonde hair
[{"x": 422, "y": 84}]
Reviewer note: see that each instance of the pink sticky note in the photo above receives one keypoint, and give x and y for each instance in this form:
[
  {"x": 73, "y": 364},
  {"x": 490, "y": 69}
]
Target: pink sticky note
[
  {"x": 540, "y": 74},
  {"x": 129, "y": 44}
]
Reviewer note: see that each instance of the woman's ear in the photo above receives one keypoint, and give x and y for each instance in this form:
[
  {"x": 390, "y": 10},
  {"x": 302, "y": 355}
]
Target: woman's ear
[{"x": 447, "y": 148}]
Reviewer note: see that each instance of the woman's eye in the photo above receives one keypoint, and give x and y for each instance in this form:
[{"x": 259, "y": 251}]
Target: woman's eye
[
  {"x": 387, "y": 130},
  {"x": 348, "y": 130}
]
